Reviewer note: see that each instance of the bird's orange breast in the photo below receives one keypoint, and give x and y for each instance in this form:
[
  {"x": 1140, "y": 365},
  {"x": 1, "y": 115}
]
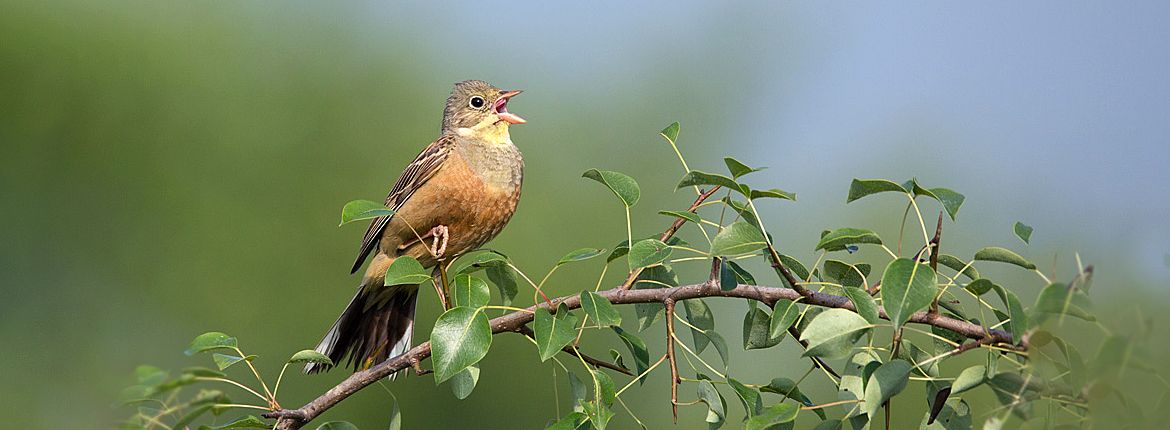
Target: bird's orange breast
[{"x": 473, "y": 210}]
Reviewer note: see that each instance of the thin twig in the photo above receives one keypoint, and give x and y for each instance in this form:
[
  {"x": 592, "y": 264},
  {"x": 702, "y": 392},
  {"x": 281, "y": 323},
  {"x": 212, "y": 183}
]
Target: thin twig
[
  {"x": 934, "y": 249},
  {"x": 674, "y": 381}
]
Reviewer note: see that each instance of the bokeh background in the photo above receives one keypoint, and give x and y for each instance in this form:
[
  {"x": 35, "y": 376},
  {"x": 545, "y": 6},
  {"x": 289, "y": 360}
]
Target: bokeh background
[{"x": 170, "y": 168}]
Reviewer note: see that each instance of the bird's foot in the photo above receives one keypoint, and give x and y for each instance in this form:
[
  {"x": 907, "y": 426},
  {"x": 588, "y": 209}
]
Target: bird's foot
[
  {"x": 439, "y": 244},
  {"x": 418, "y": 370}
]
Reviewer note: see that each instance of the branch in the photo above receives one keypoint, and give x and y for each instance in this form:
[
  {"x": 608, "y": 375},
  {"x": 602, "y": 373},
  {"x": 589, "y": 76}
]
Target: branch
[
  {"x": 674, "y": 380},
  {"x": 296, "y": 418}
]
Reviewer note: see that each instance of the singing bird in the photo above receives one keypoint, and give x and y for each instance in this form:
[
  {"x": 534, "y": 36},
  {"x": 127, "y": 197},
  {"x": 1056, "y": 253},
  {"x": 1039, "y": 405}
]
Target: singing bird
[{"x": 455, "y": 196}]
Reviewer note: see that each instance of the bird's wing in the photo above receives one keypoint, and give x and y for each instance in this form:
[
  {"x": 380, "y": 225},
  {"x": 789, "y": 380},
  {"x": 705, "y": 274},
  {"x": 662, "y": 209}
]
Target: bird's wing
[{"x": 423, "y": 168}]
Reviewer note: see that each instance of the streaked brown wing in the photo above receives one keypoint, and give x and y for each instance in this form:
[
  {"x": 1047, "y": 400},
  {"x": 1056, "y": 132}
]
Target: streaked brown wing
[{"x": 424, "y": 166}]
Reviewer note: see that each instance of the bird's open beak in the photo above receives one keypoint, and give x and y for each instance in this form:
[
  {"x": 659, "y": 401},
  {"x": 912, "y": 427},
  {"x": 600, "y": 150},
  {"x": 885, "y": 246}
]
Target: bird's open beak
[{"x": 501, "y": 108}]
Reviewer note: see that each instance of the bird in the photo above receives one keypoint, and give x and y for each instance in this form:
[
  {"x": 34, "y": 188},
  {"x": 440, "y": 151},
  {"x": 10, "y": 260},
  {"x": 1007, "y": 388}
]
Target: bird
[{"x": 456, "y": 195}]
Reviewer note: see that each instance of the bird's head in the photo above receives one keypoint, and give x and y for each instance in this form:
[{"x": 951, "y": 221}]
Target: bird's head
[{"x": 477, "y": 106}]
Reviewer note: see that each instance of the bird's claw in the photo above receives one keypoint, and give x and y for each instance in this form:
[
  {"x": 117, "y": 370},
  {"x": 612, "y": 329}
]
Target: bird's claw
[
  {"x": 439, "y": 244},
  {"x": 418, "y": 370}
]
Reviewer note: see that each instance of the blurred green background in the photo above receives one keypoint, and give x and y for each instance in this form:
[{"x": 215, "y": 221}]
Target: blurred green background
[{"x": 170, "y": 168}]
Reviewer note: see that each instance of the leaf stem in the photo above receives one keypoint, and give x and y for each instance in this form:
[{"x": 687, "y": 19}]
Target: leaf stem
[{"x": 229, "y": 381}]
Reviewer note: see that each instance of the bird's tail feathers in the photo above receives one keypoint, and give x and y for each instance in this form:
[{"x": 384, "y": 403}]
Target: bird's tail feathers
[{"x": 377, "y": 325}]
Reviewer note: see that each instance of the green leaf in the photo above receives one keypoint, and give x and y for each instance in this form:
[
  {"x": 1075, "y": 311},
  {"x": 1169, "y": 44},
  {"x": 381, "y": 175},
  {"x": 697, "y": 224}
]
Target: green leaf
[
  {"x": 848, "y": 275},
  {"x": 1023, "y": 231},
  {"x": 619, "y": 251},
  {"x": 866, "y": 306},
  {"x": 863, "y": 187},
  {"x": 1003, "y": 255},
  {"x": 888, "y": 380},
  {"x": 689, "y": 216},
  {"x": 907, "y": 287},
  {"x": 751, "y": 400},
  {"x": 202, "y": 371},
  {"x": 309, "y": 356},
  {"x": 950, "y": 199},
  {"x": 210, "y": 341},
  {"x": 470, "y": 291},
  {"x": 622, "y": 186},
  {"x": 787, "y": 388},
  {"x": 648, "y": 252},
  {"x": 696, "y": 177},
  {"x": 940, "y": 333},
  {"x": 572, "y": 421},
  {"x": 784, "y": 314},
  {"x": 856, "y": 373},
  {"x": 604, "y": 387},
  {"x": 795, "y": 266},
  {"x": 1014, "y": 390},
  {"x": 1059, "y": 299},
  {"x": 1019, "y": 319},
  {"x": 505, "y": 281},
  {"x": 912, "y": 353},
  {"x": 700, "y": 316},
  {"x": 405, "y": 270},
  {"x": 955, "y": 415},
  {"x": 599, "y": 415},
  {"x": 737, "y": 168},
  {"x": 192, "y": 414},
  {"x": 831, "y": 333},
  {"x": 337, "y": 425},
  {"x": 671, "y": 132},
  {"x": 358, "y": 210},
  {"x": 727, "y": 280},
  {"x": 773, "y": 193},
  {"x": 600, "y": 309},
  {"x": 956, "y": 264},
  {"x": 969, "y": 378},
  {"x": 553, "y": 332},
  {"x": 248, "y": 422},
  {"x": 742, "y": 276},
  {"x": 720, "y": 345},
  {"x": 738, "y": 238},
  {"x": 742, "y": 209},
  {"x": 461, "y": 337},
  {"x": 779, "y": 413},
  {"x": 652, "y": 277},
  {"x": 838, "y": 239},
  {"x": 756, "y": 327},
  {"x": 716, "y": 406},
  {"x": 980, "y": 286},
  {"x": 135, "y": 394},
  {"x": 463, "y": 383},
  {"x": 637, "y": 348},
  {"x": 471, "y": 262},
  {"x": 581, "y": 254},
  {"x": 149, "y": 375},
  {"x": 577, "y": 391},
  {"x": 617, "y": 358}
]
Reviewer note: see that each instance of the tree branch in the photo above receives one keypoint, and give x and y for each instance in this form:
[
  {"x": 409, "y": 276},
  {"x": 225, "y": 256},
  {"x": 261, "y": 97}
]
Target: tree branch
[
  {"x": 297, "y": 418},
  {"x": 674, "y": 380}
]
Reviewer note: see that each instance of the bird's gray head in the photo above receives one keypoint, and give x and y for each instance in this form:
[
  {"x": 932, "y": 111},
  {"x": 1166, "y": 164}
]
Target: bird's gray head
[{"x": 476, "y": 104}]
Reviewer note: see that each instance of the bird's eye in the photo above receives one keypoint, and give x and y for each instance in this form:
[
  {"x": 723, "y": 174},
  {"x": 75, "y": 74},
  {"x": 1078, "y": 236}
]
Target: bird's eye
[{"x": 476, "y": 102}]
